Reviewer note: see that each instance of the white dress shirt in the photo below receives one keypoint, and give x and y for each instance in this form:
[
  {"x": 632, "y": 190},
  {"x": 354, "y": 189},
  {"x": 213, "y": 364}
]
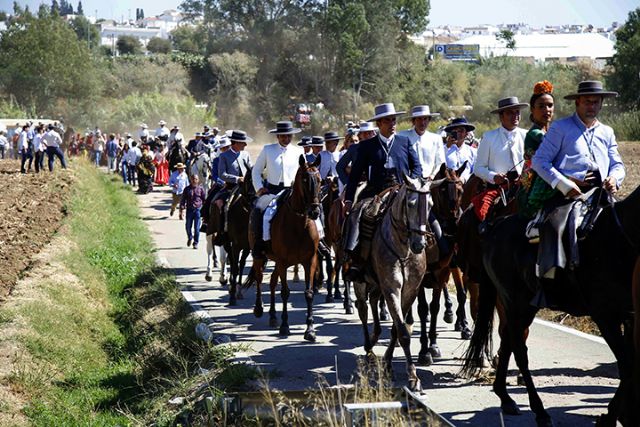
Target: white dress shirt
[
  {"x": 37, "y": 143},
  {"x": 456, "y": 156},
  {"x": 277, "y": 164},
  {"x": 430, "y": 149},
  {"x": 500, "y": 151},
  {"x": 23, "y": 141},
  {"x": 328, "y": 163},
  {"x": 51, "y": 138},
  {"x": 162, "y": 131}
]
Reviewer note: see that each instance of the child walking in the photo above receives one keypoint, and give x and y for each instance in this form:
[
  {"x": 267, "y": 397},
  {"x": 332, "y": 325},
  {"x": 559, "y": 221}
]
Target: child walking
[{"x": 192, "y": 199}]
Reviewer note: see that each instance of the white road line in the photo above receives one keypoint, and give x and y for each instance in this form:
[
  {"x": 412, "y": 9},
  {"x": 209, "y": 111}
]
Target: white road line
[{"x": 571, "y": 331}]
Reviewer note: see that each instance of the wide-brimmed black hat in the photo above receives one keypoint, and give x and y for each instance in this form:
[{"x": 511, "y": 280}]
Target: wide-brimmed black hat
[
  {"x": 316, "y": 141},
  {"x": 240, "y": 136},
  {"x": 509, "y": 102},
  {"x": 459, "y": 122},
  {"x": 304, "y": 141},
  {"x": 591, "y": 87},
  {"x": 332, "y": 136},
  {"x": 285, "y": 128}
]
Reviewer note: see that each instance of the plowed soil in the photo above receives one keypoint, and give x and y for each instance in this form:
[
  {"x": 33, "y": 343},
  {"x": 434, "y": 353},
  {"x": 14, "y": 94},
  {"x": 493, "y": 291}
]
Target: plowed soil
[{"x": 32, "y": 207}]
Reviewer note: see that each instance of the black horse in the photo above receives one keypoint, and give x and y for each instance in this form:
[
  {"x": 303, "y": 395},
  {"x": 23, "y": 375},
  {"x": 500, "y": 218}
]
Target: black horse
[
  {"x": 178, "y": 154},
  {"x": 600, "y": 286}
]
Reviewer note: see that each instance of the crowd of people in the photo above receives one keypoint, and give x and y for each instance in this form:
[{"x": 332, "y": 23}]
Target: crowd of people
[{"x": 30, "y": 142}]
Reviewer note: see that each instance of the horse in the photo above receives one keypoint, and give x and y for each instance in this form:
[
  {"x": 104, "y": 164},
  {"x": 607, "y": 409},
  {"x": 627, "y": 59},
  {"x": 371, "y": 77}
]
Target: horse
[
  {"x": 333, "y": 237},
  {"x": 236, "y": 236},
  {"x": 213, "y": 237},
  {"x": 447, "y": 190},
  {"x": 602, "y": 288},
  {"x": 294, "y": 240},
  {"x": 201, "y": 166},
  {"x": 178, "y": 154},
  {"x": 397, "y": 264}
]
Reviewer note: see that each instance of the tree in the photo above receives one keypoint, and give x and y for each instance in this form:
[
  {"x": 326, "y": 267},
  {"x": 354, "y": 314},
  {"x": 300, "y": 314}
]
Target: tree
[
  {"x": 55, "y": 7},
  {"x": 79, "y": 10},
  {"x": 508, "y": 37},
  {"x": 159, "y": 45},
  {"x": 189, "y": 39},
  {"x": 86, "y": 31},
  {"x": 129, "y": 45},
  {"x": 625, "y": 77},
  {"x": 43, "y": 61}
]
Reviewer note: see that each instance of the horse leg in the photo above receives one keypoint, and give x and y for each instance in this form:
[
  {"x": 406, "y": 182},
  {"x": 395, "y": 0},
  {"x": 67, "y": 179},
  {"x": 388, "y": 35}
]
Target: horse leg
[
  {"x": 310, "y": 333},
  {"x": 384, "y": 313},
  {"x": 374, "y": 299},
  {"x": 461, "y": 313},
  {"x": 474, "y": 295},
  {"x": 335, "y": 277},
  {"x": 404, "y": 336},
  {"x": 424, "y": 356},
  {"x": 448, "y": 304},
  {"x": 243, "y": 261},
  {"x": 210, "y": 257},
  {"x": 507, "y": 404},
  {"x": 258, "y": 310},
  {"x": 273, "y": 284},
  {"x": 223, "y": 266},
  {"x": 434, "y": 308},
  {"x": 233, "y": 260},
  {"x": 363, "y": 313},
  {"x": 296, "y": 273},
  {"x": 284, "y": 293}
]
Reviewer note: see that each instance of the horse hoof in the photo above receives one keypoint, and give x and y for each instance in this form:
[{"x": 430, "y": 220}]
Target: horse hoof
[
  {"x": 315, "y": 291},
  {"x": 337, "y": 295},
  {"x": 258, "y": 311},
  {"x": 457, "y": 327},
  {"x": 232, "y": 302},
  {"x": 435, "y": 351},
  {"x": 208, "y": 277},
  {"x": 273, "y": 322},
  {"x": 329, "y": 299},
  {"x": 494, "y": 361},
  {"x": 448, "y": 317},
  {"x": 415, "y": 386},
  {"x": 384, "y": 316},
  {"x": 310, "y": 336},
  {"x": 510, "y": 408},
  {"x": 284, "y": 331},
  {"x": 348, "y": 309},
  {"x": 296, "y": 278},
  {"x": 520, "y": 380},
  {"x": 239, "y": 295},
  {"x": 466, "y": 334},
  {"x": 223, "y": 282},
  {"x": 425, "y": 359}
]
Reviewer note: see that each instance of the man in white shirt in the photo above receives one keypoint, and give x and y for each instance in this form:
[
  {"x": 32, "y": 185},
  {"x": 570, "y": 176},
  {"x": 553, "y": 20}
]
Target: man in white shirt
[
  {"x": 457, "y": 151},
  {"x": 133, "y": 157},
  {"x": 162, "y": 133},
  {"x": 500, "y": 154},
  {"x": 428, "y": 145},
  {"x": 38, "y": 149},
  {"x": 274, "y": 170},
  {"x": 143, "y": 134},
  {"x": 24, "y": 149},
  {"x": 4, "y": 144},
  {"x": 52, "y": 141}
]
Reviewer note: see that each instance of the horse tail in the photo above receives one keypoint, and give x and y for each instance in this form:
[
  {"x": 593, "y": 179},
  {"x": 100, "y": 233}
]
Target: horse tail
[
  {"x": 250, "y": 280},
  {"x": 481, "y": 343}
]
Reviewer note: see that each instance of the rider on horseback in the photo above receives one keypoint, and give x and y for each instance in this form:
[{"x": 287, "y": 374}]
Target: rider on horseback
[
  {"x": 383, "y": 160},
  {"x": 279, "y": 163},
  {"x": 500, "y": 157}
]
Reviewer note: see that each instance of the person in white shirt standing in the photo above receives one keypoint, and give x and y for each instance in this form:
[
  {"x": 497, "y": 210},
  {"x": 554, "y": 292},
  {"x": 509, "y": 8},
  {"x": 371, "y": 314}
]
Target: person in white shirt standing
[
  {"x": 133, "y": 157},
  {"x": 428, "y": 145},
  {"x": 98, "y": 147},
  {"x": 38, "y": 149},
  {"x": 274, "y": 171},
  {"x": 500, "y": 155},
  {"x": 24, "y": 149},
  {"x": 329, "y": 156},
  {"x": 53, "y": 142},
  {"x": 4, "y": 144},
  {"x": 457, "y": 151}
]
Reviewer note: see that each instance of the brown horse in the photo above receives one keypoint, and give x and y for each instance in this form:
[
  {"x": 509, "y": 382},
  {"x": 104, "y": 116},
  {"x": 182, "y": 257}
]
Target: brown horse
[
  {"x": 446, "y": 191},
  {"x": 635, "y": 291},
  {"x": 397, "y": 264},
  {"x": 600, "y": 286},
  {"x": 294, "y": 240}
]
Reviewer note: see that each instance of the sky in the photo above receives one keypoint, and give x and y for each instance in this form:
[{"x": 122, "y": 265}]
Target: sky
[{"x": 537, "y": 13}]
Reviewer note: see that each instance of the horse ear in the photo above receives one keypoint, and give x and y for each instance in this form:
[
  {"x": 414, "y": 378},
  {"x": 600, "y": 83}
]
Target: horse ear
[
  {"x": 443, "y": 170},
  {"x": 301, "y": 160},
  {"x": 462, "y": 168}
]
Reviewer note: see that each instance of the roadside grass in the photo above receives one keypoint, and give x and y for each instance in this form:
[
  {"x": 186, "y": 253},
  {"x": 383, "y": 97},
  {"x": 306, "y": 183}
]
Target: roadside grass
[{"x": 106, "y": 338}]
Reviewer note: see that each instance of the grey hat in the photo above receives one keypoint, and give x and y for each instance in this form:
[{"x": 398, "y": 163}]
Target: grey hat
[
  {"x": 421, "y": 111},
  {"x": 304, "y": 142},
  {"x": 240, "y": 136},
  {"x": 224, "y": 142},
  {"x": 285, "y": 128},
  {"x": 591, "y": 87},
  {"x": 509, "y": 102},
  {"x": 385, "y": 110},
  {"x": 316, "y": 141},
  {"x": 367, "y": 127}
]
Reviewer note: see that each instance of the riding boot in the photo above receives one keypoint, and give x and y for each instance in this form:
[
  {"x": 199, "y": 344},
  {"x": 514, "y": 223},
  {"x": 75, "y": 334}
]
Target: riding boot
[
  {"x": 443, "y": 244},
  {"x": 323, "y": 249},
  {"x": 258, "y": 250}
]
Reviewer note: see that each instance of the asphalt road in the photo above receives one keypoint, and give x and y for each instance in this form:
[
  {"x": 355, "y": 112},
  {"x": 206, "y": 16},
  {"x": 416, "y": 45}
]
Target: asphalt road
[{"x": 575, "y": 374}]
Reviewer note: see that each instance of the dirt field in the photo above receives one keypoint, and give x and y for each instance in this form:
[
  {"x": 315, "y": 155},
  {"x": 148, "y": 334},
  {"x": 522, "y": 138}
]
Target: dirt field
[{"x": 31, "y": 210}]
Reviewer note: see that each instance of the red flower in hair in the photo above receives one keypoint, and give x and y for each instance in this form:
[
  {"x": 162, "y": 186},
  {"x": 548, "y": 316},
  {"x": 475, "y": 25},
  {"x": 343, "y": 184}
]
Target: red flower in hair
[{"x": 543, "y": 87}]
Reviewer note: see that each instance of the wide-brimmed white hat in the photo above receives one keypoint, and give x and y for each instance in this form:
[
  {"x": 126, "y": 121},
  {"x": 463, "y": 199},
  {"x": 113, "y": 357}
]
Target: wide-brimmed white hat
[
  {"x": 385, "y": 110},
  {"x": 162, "y": 122},
  {"x": 509, "y": 102},
  {"x": 224, "y": 142},
  {"x": 144, "y": 126},
  {"x": 367, "y": 127},
  {"x": 421, "y": 111}
]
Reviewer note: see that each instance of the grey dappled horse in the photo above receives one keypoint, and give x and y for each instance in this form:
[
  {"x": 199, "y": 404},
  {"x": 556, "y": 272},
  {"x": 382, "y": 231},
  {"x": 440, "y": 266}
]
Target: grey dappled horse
[{"x": 397, "y": 264}]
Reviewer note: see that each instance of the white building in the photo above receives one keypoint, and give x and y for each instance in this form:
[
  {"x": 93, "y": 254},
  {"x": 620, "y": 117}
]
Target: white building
[
  {"x": 109, "y": 34},
  {"x": 166, "y": 22},
  {"x": 546, "y": 47}
]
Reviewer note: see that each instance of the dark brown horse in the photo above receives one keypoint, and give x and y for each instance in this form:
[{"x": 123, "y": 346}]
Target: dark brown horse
[
  {"x": 397, "y": 264},
  {"x": 236, "y": 236},
  {"x": 294, "y": 240},
  {"x": 601, "y": 286},
  {"x": 446, "y": 191}
]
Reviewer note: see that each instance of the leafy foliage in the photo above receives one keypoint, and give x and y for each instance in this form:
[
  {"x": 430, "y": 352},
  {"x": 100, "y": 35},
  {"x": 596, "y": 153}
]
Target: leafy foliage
[
  {"x": 86, "y": 31},
  {"x": 159, "y": 45},
  {"x": 507, "y": 36},
  {"x": 625, "y": 77},
  {"x": 128, "y": 45}
]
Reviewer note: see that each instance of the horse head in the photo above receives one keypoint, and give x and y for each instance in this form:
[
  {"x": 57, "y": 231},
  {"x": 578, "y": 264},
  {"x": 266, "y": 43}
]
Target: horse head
[
  {"x": 413, "y": 207},
  {"x": 447, "y": 189},
  {"x": 306, "y": 188}
]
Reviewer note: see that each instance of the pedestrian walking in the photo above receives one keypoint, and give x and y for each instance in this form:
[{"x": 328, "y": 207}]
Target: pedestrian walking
[
  {"x": 52, "y": 141},
  {"x": 178, "y": 181},
  {"x": 192, "y": 200}
]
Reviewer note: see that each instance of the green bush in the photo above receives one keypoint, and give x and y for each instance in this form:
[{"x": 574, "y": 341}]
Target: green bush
[{"x": 626, "y": 125}]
